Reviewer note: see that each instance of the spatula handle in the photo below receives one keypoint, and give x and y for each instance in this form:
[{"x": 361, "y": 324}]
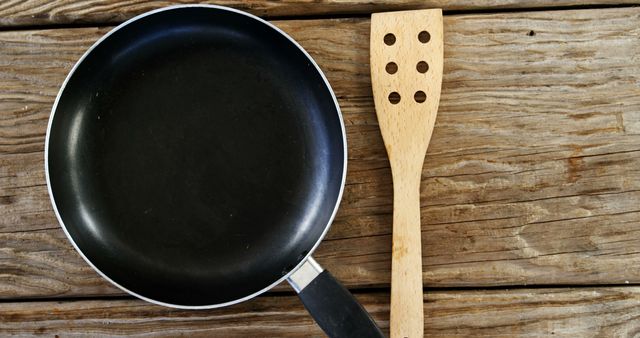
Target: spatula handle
[{"x": 407, "y": 318}]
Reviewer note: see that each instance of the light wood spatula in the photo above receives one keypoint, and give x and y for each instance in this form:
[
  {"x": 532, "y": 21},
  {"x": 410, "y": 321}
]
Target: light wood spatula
[{"x": 406, "y": 74}]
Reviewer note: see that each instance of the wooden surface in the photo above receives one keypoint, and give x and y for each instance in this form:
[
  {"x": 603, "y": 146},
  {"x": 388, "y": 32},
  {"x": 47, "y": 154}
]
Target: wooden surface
[
  {"x": 531, "y": 175},
  {"x": 584, "y": 312},
  {"x": 531, "y": 178},
  {"x": 43, "y": 12},
  {"x": 398, "y": 44}
]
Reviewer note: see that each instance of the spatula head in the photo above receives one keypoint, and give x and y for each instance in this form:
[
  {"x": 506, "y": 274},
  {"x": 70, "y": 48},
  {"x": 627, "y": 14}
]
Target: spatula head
[{"x": 406, "y": 74}]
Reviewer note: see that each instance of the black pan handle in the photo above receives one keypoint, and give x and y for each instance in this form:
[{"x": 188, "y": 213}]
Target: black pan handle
[{"x": 331, "y": 305}]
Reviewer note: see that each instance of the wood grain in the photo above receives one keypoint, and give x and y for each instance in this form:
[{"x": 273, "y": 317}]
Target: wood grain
[
  {"x": 531, "y": 176},
  {"x": 40, "y": 12},
  {"x": 589, "y": 312},
  {"x": 399, "y": 42}
]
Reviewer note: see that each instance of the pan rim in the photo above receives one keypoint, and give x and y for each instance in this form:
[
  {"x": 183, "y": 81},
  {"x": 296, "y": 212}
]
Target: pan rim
[{"x": 50, "y": 123}]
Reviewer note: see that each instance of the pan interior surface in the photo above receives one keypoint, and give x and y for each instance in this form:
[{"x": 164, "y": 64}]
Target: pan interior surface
[{"x": 195, "y": 156}]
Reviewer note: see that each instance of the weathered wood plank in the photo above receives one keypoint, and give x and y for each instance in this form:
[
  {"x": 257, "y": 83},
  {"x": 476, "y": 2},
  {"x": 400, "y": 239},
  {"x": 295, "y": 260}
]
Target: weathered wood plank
[
  {"x": 38, "y": 12},
  {"x": 591, "y": 312},
  {"x": 531, "y": 177}
]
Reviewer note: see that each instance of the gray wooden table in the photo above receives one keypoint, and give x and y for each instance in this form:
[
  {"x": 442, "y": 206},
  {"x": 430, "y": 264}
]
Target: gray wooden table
[{"x": 530, "y": 191}]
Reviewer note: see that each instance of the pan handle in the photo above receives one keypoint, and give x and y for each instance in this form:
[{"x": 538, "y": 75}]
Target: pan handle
[{"x": 332, "y": 306}]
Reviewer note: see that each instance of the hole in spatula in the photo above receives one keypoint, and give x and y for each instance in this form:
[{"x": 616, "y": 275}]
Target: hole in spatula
[
  {"x": 422, "y": 67},
  {"x": 391, "y": 68},
  {"x": 420, "y": 96},
  {"x": 389, "y": 39},
  {"x": 394, "y": 98},
  {"x": 424, "y": 36}
]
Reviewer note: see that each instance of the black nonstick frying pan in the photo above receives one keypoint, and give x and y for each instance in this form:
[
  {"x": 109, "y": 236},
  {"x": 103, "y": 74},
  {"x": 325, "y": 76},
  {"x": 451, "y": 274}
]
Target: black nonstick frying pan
[{"x": 195, "y": 157}]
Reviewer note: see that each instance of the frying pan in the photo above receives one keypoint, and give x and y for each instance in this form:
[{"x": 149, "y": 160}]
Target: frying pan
[{"x": 195, "y": 158}]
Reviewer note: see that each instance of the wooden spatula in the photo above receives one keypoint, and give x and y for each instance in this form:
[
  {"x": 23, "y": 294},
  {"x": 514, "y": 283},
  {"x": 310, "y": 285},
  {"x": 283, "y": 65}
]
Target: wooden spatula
[{"x": 406, "y": 74}]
